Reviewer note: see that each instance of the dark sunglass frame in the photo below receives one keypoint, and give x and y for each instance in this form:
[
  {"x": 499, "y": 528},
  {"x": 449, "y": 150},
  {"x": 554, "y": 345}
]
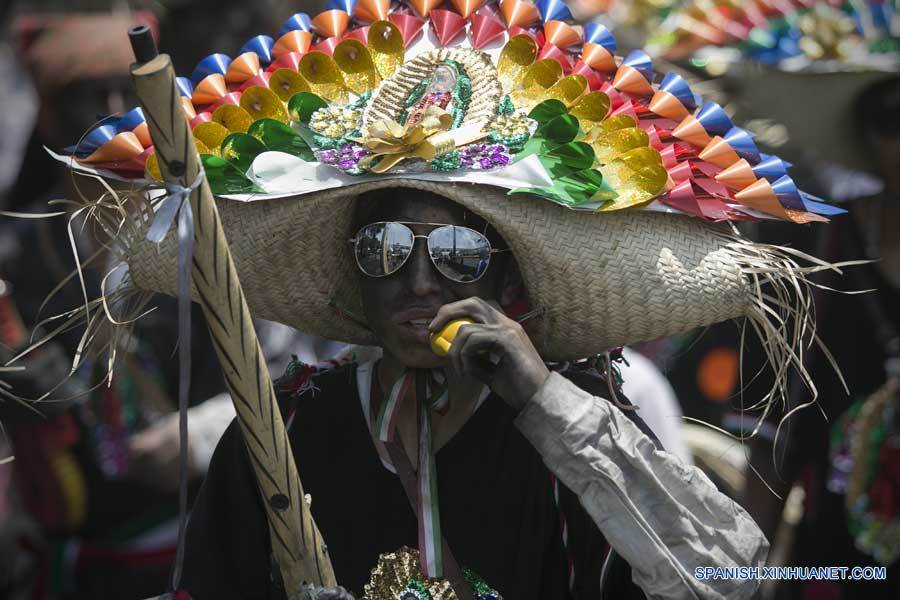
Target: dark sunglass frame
[{"x": 437, "y": 226}]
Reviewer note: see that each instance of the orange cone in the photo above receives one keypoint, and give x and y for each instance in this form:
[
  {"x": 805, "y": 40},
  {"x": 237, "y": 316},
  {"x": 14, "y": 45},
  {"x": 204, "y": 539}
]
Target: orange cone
[
  {"x": 737, "y": 176},
  {"x": 690, "y": 130},
  {"x": 719, "y": 153}
]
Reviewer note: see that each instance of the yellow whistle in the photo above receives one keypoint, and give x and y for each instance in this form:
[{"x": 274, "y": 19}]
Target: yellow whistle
[{"x": 441, "y": 340}]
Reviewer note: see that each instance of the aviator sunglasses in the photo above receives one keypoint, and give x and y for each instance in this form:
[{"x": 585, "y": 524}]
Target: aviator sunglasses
[{"x": 458, "y": 253}]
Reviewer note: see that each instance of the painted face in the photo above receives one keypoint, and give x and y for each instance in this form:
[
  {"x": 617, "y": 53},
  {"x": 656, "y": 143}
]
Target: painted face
[{"x": 400, "y": 306}]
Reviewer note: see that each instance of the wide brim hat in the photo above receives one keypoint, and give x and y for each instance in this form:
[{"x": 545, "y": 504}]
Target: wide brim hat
[
  {"x": 794, "y": 36},
  {"x": 781, "y": 64},
  {"x": 597, "y": 282},
  {"x": 612, "y": 185},
  {"x": 780, "y": 97}
]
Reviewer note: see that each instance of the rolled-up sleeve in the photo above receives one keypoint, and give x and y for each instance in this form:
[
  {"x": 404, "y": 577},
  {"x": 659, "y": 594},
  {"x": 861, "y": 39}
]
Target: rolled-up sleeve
[{"x": 665, "y": 518}]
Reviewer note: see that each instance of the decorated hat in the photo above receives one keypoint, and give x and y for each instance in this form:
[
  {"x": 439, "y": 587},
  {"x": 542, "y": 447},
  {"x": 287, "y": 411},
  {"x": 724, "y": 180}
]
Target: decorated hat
[
  {"x": 781, "y": 57},
  {"x": 611, "y": 183},
  {"x": 794, "y": 35}
]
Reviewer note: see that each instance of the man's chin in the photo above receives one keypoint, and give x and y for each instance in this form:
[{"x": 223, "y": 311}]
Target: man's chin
[{"x": 418, "y": 357}]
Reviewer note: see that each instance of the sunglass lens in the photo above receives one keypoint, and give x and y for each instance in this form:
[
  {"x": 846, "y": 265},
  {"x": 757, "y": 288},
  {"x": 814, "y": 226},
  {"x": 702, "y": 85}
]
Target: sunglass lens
[
  {"x": 459, "y": 253},
  {"x": 382, "y": 248}
]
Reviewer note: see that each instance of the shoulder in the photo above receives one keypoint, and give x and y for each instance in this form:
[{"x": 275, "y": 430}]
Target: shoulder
[
  {"x": 588, "y": 377},
  {"x": 300, "y": 378},
  {"x": 323, "y": 391},
  {"x": 591, "y": 377}
]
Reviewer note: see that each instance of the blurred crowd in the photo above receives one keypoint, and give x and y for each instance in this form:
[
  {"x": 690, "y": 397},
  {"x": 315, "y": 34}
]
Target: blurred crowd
[{"x": 88, "y": 504}]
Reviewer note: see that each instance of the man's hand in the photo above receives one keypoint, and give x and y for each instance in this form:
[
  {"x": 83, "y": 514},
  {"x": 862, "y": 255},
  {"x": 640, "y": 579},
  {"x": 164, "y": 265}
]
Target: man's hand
[{"x": 495, "y": 349}]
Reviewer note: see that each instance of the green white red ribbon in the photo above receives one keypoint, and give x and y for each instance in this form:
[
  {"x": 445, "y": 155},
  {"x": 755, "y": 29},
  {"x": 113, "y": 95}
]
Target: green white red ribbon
[{"x": 427, "y": 502}]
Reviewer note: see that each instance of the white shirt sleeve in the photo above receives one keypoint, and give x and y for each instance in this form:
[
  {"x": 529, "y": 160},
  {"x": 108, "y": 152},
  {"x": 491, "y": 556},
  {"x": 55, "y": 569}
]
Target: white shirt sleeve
[{"x": 663, "y": 517}]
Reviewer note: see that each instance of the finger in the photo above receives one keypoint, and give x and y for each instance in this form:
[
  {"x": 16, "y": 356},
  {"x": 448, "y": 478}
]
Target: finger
[
  {"x": 480, "y": 353},
  {"x": 458, "y": 342},
  {"x": 475, "y": 308}
]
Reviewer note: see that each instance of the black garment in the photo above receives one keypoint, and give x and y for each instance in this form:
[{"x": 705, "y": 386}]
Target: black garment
[{"x": 497, "y": 505}]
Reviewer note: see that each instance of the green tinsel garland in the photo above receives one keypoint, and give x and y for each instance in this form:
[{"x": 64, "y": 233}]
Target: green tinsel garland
[
  {"x": 414, "y": 96},
  {"x": 506, "y": 106},
  {"x": 461, "y": 94},
  {"x": 445, "y": 162}
]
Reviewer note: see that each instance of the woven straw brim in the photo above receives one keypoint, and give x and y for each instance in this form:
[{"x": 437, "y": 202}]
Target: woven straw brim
[{"x": 600, "y": 280}]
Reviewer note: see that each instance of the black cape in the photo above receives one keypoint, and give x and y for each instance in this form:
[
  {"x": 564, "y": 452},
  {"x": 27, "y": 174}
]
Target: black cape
[{"x": 498, "y": 510}]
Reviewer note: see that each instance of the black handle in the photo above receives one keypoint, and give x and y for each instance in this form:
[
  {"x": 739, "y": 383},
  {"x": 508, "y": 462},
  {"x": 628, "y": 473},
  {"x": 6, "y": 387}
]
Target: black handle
[{"x": 142, "y": 43}]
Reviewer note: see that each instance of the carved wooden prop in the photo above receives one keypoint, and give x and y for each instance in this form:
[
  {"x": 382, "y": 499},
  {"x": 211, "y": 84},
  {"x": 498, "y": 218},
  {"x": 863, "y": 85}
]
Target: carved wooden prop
[{"x": 297, "y": 544}]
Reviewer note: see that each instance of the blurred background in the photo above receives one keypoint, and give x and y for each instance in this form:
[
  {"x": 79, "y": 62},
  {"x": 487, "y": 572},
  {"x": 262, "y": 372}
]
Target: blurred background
[{"x": 88, "y": 506}]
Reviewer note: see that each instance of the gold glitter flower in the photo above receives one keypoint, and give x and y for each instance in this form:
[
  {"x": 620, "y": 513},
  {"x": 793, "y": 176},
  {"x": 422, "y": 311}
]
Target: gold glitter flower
[
  {"x": 335, "y": 121},
  {"x": 510, "y": 125}
]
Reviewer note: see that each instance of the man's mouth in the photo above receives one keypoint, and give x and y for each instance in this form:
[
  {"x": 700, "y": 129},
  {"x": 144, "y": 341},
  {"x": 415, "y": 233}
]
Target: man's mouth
[{"x": 416, "y": 329}]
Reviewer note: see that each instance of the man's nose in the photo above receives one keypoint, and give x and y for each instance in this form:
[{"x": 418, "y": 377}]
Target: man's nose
[{"x": 422, "y": 278}]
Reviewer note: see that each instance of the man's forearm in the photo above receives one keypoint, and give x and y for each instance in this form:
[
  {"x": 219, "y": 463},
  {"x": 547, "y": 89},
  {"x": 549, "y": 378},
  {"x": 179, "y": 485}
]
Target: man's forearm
[{"x": 663, "y": 517}]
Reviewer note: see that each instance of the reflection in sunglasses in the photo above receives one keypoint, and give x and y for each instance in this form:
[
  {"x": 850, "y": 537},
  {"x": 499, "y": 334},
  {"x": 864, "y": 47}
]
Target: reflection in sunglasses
[{"x": 458, "y": 253}]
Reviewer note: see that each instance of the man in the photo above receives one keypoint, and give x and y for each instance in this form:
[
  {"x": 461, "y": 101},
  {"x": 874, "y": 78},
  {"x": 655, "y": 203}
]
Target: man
[
  {"x": 514, "y": 471},
  {"x": 498, "y": 452}
]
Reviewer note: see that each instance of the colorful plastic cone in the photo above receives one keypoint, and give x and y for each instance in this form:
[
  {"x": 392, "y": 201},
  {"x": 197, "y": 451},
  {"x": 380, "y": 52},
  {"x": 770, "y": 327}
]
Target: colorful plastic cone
[
  {"x": 299, "y": 21},
  {"x": 738, "y": 176},
  {"x": 561, "y": 35},
  {"x": 466, "y": 7},
  {"x": 551, "y": 51},
  {"x": 123, "y": 146},
  {"x": 424, "y": 7},
  {"x": 553, "y": 10},
  {"x": 741, "y": 141},
  {"x": 714, "y": 119},
  {"x": 360, "y": 34},
  {"x": 209, "y": 90},
  {"x": 485, "y": 29},
  {"x": 261, "y": 45},
  {"x": 771, "y": 168},
  {"x": 719, "y": 153},
  {"x": 598, "y": 57},
  {"x": 327, "y": 45},
  {"x": 666, "y": 105},
  {"x": 289, "y": 60},
  {"x": 331, "y": 23},
  {"x": 369, "y": 11},
  {"x": 292, "y": 41},
  {"x": 691, "y": 131},
  {"x": 243, "y": 67},
  {"x": 410, "y": 26},
  {"x": 674, "y": 84},
  {"x": 518, "y": 13},
  {"x": 447, "y": 25},
  {"x": 212, "y": 64},
  {"x": 631, "y": 81}
]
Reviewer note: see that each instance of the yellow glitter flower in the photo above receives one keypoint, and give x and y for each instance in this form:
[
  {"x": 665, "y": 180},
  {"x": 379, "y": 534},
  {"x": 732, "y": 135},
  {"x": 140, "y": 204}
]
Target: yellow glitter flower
[
  {"x": 510, "y": 125},
  {"x": 334, "y": 121}
]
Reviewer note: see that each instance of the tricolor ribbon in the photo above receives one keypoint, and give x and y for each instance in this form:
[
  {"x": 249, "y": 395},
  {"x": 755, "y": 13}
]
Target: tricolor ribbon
[
  {"x": 429, "y": 395},
  {"x": 430, "y": 557},
  {"x": 177, "y": 203}
]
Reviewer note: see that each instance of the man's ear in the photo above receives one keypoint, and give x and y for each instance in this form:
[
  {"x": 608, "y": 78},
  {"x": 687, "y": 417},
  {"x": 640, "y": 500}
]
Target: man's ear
[{"x": 512, "y": 288}]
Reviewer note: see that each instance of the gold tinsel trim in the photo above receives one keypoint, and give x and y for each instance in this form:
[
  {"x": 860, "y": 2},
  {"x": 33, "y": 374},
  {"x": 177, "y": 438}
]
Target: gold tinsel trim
[{"x": 393, "y": 572}]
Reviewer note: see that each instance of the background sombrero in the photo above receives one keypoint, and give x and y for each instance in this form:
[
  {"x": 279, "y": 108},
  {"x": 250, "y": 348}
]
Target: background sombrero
[{"x": 800, "y": 64}]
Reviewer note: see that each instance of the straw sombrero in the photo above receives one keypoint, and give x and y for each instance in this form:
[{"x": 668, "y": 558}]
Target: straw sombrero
[
  {"x": 608, "y": 181},
  {"x": 790, "y": 35},
  {"x": 781, "y": 58}
]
